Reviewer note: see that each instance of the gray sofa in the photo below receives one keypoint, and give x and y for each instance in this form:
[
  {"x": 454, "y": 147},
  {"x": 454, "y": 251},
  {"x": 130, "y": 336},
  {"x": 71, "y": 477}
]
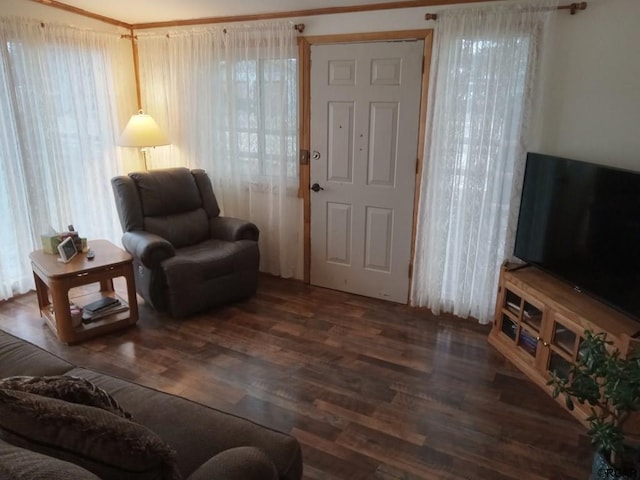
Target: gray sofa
[
  {"x": 186, "y": 257},
  {"x": 206, "y": 443}
]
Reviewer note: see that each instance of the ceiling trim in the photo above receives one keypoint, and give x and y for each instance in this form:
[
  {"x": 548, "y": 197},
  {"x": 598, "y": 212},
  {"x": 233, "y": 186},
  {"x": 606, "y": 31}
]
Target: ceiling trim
[
  {"x": 303, "y": 13},
  {"x": 84, "y": 13},
  {"x": 257, "y": 16}
]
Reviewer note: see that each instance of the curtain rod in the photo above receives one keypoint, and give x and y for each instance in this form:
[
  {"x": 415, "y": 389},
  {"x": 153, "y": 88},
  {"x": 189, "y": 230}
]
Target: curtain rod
[
  {"x": 573, "y": 8},
  {"x": 298, "y": 27}
]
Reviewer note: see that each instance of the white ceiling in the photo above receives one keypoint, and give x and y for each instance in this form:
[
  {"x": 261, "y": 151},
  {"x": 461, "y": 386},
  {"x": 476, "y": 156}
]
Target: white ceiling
[{"x": 148, "y": 11}]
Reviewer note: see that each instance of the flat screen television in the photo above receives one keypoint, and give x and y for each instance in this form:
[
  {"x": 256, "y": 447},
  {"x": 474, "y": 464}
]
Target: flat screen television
[{"x": 581, "y": 222}]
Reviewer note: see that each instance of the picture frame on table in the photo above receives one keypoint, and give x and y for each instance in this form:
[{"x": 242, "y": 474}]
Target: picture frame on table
[{"x": 67, "y": 250}]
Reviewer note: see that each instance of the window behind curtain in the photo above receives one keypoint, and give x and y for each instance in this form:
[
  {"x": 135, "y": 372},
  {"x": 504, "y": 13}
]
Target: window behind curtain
[
  {"x": 58, "y": 96},
  {"x": 485, "y": 63},
  {"x": 229, "y": 98},
  {"x": 260, "y": 140}
]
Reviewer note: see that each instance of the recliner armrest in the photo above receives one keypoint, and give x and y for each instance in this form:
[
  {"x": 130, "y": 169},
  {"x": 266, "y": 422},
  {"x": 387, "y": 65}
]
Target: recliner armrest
[
  {"x": 233, "y": 229},
  {"x": 150, "y": 249}
]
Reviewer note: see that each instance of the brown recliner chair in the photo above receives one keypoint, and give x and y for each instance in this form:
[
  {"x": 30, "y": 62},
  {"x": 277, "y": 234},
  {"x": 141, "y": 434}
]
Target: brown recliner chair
[{"x": 186, "y": 257}]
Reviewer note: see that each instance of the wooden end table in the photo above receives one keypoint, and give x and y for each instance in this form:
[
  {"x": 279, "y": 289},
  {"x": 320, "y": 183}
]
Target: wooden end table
[{"x": 54, "y": 280}]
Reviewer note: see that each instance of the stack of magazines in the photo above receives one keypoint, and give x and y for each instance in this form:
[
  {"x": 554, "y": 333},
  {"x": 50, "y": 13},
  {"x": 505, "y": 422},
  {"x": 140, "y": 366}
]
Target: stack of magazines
[{"x": 101, "y": 308}]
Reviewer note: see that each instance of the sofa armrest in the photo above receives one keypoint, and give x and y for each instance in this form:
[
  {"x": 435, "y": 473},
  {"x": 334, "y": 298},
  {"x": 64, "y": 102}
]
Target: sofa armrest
[
  {"x": 233, "y": 229},
  {"x": 149, "y": 249},
  {"x": 240, "y": 463}
]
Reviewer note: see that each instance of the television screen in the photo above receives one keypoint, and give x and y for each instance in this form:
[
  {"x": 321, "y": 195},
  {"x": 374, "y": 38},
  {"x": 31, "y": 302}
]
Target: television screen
[{"x": 581, "y": 222}]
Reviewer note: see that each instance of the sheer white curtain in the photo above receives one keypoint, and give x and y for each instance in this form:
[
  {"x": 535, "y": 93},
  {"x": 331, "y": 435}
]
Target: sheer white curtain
[
  {"x": 484, "y": 71},
  {"x": 61, "y": 93},
  {"x": 228, "y": 100}
]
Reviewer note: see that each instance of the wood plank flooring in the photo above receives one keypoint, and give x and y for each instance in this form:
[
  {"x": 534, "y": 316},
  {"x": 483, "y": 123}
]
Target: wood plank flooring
[{"x": 371, "y": 389}]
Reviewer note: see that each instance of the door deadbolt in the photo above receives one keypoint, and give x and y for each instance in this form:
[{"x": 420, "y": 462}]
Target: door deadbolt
[
  {"x": 316, "y": 188},
  {"x": 316, "y": 155}
]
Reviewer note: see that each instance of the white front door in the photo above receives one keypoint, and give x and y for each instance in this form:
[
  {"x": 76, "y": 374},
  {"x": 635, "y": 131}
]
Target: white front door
[{"x": 365, "y": 105}]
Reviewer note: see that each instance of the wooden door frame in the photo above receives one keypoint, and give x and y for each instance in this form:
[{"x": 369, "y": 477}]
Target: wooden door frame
[{"x": 304, "y": 72}]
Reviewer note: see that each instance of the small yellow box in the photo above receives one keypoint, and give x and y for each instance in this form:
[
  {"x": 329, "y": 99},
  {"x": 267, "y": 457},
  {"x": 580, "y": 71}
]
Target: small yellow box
[{"x": 50, "y": 243}]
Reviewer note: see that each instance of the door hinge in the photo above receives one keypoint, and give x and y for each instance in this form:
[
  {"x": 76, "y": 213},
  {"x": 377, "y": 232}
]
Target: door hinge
[
  {"x": 304, "y": 157},
  {"x": 410, "y": 270}
]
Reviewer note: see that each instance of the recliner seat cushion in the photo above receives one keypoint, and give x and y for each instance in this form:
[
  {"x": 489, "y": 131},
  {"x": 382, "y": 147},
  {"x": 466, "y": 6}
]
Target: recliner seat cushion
[
  {"x": 210, "y": 274},
  {"x": 208, "y": 259}
]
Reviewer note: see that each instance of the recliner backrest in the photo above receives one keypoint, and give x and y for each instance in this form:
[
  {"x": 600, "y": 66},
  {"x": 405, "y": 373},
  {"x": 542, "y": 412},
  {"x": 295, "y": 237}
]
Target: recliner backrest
[{"x": 174, "y": 203}]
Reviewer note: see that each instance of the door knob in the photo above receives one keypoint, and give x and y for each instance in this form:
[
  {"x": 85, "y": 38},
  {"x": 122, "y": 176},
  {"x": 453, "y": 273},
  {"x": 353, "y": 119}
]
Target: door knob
[{"x": 316, "y": 188}]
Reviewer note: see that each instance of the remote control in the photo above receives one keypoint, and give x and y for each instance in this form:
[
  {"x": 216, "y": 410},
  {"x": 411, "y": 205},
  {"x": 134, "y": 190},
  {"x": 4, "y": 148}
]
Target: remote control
[{"x": 90, "y": 255}]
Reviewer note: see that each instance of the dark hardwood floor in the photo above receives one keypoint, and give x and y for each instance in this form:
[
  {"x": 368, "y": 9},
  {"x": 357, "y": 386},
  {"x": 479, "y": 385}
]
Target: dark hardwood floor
[{"x": 371, "y": 389}]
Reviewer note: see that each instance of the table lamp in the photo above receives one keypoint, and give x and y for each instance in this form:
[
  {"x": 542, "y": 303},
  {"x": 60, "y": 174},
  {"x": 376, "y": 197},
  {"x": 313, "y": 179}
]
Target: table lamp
[{"x": 143, "y": 132}]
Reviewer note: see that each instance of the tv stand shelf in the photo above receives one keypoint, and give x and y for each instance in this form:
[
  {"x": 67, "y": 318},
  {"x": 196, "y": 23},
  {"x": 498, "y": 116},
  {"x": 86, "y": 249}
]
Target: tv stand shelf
[{"x": 540, "y": 323}]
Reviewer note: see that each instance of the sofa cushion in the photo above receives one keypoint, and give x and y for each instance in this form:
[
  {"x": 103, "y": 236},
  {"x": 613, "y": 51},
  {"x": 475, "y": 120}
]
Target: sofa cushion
[
  {"x": 108, "y": 445},
  {"x": 18, "y": 357},
  {"x": 21, "y": 464},
  {"x": 67, "y": 388}
]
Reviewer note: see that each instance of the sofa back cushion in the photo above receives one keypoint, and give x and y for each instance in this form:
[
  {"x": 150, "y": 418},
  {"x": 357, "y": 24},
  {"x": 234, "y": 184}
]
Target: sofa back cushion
[{"x": 18, "y": 357}]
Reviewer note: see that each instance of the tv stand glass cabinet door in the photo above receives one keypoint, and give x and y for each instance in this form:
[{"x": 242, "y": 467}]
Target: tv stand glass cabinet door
[{"x": 519, "y": 322}]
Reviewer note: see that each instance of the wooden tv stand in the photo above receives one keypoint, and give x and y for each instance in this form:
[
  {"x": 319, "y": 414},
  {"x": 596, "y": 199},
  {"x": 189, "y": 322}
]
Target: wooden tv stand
[{"x": 540, "y": 322}]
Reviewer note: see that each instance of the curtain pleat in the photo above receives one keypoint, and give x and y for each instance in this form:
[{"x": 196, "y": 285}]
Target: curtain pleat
[
  {"x": 228, "y": 98},
  {"x": 63, "y": 95},
  {"x": 485, "y": 63}
]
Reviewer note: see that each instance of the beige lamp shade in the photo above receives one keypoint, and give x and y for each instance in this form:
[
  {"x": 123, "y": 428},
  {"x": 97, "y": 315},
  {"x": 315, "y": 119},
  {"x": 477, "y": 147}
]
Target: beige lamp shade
[{"x": 142, "y": 131}]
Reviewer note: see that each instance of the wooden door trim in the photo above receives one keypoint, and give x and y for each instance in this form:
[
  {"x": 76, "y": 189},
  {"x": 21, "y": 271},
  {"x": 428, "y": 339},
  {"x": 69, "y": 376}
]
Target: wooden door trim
[
  {"x": 424, "y": 97},
  {"x": 304, "y": 102},
  {"x": 304, "y": 51}
]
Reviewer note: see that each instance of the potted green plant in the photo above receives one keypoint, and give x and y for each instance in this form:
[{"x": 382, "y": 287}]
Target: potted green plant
[{"x": 610, "y": 385}]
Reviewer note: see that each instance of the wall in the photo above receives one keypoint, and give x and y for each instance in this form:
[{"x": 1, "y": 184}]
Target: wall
[
  {"x": 42, "y": 12},
  {"x": 590, "y": 109}
]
